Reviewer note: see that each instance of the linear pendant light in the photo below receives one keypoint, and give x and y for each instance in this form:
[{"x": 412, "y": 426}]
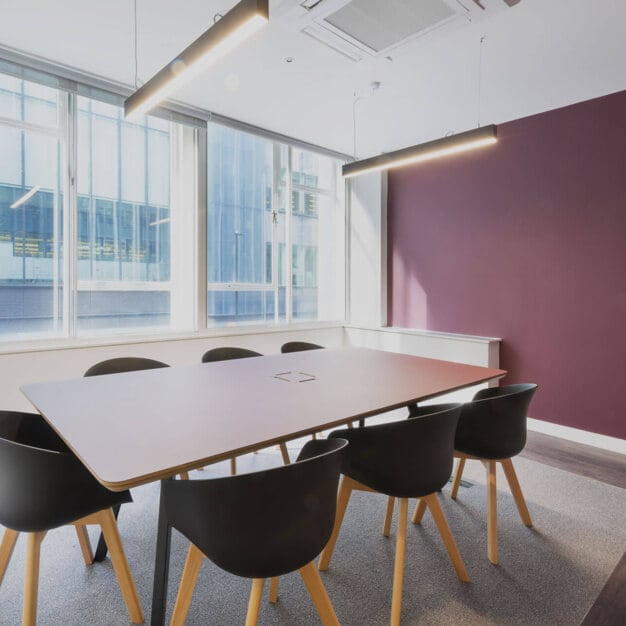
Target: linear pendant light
[
  {"x": 244, "y": 19},
  {"x": 453, "y": 144}
]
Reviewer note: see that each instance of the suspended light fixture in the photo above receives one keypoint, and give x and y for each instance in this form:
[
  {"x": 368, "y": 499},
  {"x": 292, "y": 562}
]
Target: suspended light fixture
[
  {"x": 244, "y": 19},
  {"x": 453, "y": 144}
]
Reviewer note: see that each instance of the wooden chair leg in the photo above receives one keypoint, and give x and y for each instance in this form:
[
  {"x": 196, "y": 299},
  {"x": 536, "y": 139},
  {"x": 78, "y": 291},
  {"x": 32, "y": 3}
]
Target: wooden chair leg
[
  {"x": 6, "y": 550},
  {"x": 420, "y": 509},
  {"x": 516, "y": 490},
  {"x": 492, "y": 513},
  {"x": 273, "y": 597},
  {"x": 318, "y": 594},
  {"x": 184, "y": 475},
  {"x": 398, "y": 568},
  {"x": 31, "y": 579},
  {"x": 254, "y": 603},
  {"x": 446, "y": 535},
  {"x": 345, "y": 489},
  {"x": 284, "y": 453},
  {"x": 457, "y": 478},
  {"x": 85, "y": 544},
  {"x": 388, "y": 515},
  {"x": 233, "y": 466},
  {"x": 120, "y": 565},
  {"x": 187, "y": 585}
]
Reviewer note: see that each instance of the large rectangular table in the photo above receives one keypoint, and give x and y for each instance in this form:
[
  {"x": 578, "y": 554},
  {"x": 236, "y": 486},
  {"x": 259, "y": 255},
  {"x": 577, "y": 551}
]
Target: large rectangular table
[{"x": 133, "y": 428}]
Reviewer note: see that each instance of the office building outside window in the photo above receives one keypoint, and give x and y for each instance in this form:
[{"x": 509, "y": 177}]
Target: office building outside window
[
  {"x": 99, "y": 221},
  {"x": 250, "y": 229},
  {"x": 98, "y": 259}
]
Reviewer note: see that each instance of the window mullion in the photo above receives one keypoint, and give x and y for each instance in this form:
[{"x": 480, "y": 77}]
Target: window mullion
[
  {"x": 288, "y": 253},
  {"x": 70, "y": 213}
]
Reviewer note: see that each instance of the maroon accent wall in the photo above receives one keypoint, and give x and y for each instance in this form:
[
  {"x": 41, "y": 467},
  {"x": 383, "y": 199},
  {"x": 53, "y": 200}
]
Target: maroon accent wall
[{"x": 526, "y": 240}]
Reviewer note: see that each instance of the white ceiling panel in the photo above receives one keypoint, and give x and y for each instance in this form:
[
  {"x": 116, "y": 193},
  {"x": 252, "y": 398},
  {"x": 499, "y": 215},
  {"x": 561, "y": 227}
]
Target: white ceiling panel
[{"x": 536, "y": 56}]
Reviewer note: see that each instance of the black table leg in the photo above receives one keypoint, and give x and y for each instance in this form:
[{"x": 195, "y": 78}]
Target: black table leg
[
  {"x": 161, "y": 565},
  {"x": 102, "y": 549}
]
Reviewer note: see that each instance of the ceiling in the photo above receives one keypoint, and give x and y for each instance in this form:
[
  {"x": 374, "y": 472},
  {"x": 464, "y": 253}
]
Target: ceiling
[{"x": 536, "y": 56}]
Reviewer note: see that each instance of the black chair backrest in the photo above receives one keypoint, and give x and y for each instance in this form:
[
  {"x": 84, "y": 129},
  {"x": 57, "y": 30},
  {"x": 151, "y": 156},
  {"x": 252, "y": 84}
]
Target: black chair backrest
[
  {"x": 123, "y": 364},
  {"x": 42, "y": 484},
  {"x": 409, "y": 458},
  {"x": 227, "y": 354},
  {"x": 266, "y": 523},
  {"x": 493, "y": 425},
  {"x": 299, "y": 346}
]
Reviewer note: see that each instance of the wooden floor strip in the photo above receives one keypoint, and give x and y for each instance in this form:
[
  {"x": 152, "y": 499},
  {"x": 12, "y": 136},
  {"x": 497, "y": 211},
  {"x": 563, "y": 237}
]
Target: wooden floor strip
[{"x": 609, "y": 608}]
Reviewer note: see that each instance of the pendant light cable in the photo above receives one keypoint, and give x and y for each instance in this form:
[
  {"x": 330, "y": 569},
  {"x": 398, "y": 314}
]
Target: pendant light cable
[
  {"x": 136, "y": 56},
  {"x": 480, "y": 73}
]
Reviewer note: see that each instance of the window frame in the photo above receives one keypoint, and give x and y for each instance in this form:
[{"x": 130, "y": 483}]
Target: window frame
[{"x": 71, "y": 84}]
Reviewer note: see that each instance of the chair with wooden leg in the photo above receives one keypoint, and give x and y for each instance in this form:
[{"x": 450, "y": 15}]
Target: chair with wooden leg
[
  {"x": 492, "y": 429},
  {"x": 228, "y": 353},
  {"x": 410, "y": 458},
  {"x": 44, "y": 486},
  {"x": 117, "y": 365},
  {"x": 299, "y": 346},
  {"x": 289, "y": 533}
]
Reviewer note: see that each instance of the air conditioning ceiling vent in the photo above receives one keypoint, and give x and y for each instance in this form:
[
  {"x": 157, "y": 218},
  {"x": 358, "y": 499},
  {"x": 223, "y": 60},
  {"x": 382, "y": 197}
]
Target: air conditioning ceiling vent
[
  {"x": 369, "y": 28},
  {"x": 381, "y": 25}
]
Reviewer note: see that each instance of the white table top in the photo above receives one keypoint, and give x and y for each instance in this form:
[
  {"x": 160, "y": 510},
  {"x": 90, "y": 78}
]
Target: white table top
[{"x": 136, "y": 427}]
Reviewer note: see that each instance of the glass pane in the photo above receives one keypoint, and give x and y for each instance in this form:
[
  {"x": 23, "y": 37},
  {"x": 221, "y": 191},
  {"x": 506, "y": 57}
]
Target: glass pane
[
  {"x": 312, "y": 170},
  {"x": 239, "y": 217},
  {"x": 124, "y": 220},
  {"x": 28, "y": 102},
  {"x": 317, "y": 246},
  {"x": 31, "y": 234},
  {"x": 248, "y": 307},
  {"x": 241, "y": 226}
]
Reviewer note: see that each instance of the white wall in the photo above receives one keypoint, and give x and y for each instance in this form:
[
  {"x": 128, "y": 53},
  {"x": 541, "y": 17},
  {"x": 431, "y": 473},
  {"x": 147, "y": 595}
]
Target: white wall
[{"x": 367, "y": 265}]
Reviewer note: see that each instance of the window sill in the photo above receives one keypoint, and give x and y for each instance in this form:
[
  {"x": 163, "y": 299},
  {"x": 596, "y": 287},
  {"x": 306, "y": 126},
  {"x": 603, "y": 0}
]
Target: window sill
[{"x": 18, "y": 347}]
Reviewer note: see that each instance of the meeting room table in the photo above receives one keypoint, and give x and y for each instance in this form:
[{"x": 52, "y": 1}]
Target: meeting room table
[{"x": 138, "y": 427}]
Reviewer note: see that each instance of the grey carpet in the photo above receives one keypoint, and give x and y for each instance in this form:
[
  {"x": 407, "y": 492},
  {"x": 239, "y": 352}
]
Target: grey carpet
[{"x": 550, "y": 574}]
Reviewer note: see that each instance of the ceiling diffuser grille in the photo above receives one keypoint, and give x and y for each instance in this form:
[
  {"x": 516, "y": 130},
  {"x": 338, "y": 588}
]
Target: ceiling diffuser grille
[{"x": 381, "y": 25}]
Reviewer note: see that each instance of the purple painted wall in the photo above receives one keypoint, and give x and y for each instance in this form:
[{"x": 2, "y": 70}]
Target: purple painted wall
[{"x": 526, "y": 240}]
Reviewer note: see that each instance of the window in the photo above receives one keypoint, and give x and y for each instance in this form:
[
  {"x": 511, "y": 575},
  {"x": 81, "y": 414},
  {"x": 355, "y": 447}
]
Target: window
[
  {"x": 124, "y": 219},
  {"x": 249, "y": 230},
  {"x": 121, "y": 259},
  {"x": 99, "y": 219},
  {"x": 32, "y": 154}
]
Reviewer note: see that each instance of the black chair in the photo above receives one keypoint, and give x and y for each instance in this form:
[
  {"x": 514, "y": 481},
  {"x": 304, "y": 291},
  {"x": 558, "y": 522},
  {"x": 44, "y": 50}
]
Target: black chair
[
  {"x": 294, "y": 511},
  {"x": 228, "y": 353},
  {"x": 44, "y": 486},
  {"x": 492, "y": 429},
  {"x": 118, "y": 365},
  {"x": 410, "y": 458},
  {"x": 299, "y": 346},
  {"x": 123, "y": 364}
]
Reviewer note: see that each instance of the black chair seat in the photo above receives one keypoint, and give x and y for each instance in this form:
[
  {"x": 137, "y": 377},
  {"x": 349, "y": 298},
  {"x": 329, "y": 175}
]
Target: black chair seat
[
  {"x": 228, "y": 353},
  {"x": 294, "y": 512},
  {"x": 299, "y": 346},
  {"x": 409, "y": 458},
  {"x": 44, "y": 486},
  {"x": 492, "y": 428},
  {"x": 493, "y": 424}
]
